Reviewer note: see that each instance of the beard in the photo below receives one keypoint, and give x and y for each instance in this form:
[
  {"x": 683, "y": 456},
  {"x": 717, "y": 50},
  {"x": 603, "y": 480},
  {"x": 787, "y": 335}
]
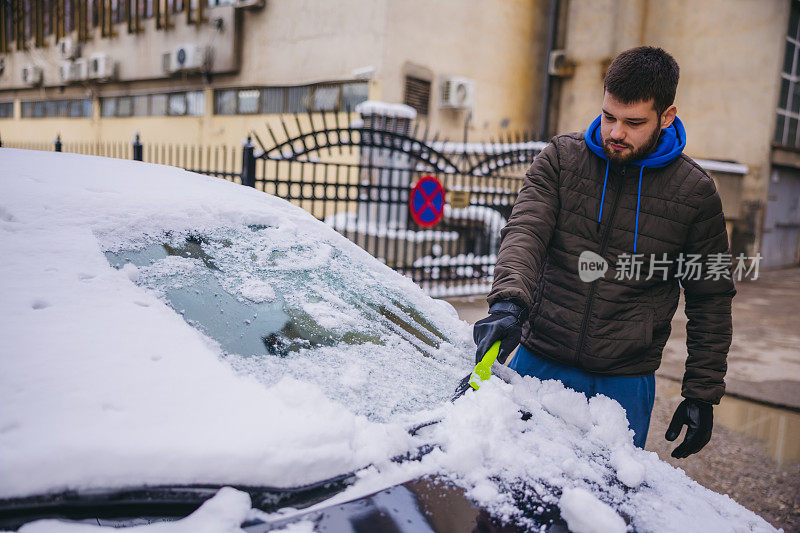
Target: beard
[{"x": 639, "y": 153}]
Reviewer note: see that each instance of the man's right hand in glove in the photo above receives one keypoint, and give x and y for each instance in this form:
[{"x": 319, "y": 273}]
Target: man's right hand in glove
[{"x": 504, "y": 324}]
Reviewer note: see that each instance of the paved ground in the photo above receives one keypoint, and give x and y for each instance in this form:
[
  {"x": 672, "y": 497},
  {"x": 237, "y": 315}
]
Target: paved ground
[
  {"x": 764, "y": 359},
  {"x": 763, "y": 365}
]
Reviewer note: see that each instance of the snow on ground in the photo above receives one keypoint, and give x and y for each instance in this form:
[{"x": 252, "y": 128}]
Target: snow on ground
[
  {"x": 348, "y": 222},
  {"x": 102, "y": 384}
]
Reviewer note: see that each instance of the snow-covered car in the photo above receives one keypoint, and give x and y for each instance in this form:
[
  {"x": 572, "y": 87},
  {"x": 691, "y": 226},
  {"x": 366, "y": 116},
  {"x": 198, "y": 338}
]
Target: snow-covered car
[{"x": 169, "y": 339}]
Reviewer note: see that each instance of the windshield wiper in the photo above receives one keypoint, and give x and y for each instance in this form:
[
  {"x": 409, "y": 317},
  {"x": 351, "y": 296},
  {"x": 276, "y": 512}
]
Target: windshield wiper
[
  {"x": 171, "y": 501},
  {"x": 156, "y": 501}
]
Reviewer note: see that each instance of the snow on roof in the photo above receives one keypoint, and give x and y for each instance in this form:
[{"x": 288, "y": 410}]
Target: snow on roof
[
  {"x": 722, "y": 166},
  {"x": 451, "y": 147},
  {"x": 103, "y": 385},
  {"x": 374, "y": 107}
]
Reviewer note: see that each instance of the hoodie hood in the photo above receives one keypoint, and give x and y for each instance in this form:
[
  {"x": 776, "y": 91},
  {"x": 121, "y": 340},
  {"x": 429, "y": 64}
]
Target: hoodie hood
[{"x": 670, "y": 145}]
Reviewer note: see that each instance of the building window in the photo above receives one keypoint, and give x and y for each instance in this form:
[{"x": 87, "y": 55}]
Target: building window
[
  {"x": 786, "y": 125},
  {"x": 177, "y": 104},
  {"x": 276, "y": 100},
  {"x": 6, "y": 109},
  {"x": 418, "y": 94},
  {"x": 247, "y": 101},
  {"x": 195, "y": 103},
  {"x": 108, "y": 107},
  {"x": 297, "y": 99},
  {"x": 158, "y": 105},
  {"x": 272, "y": 100},
  {"x": 141, "y": 106},
  {"x": 225, "y": 102},
  {"x": 190, "y": 103},
  {"x": 124, "y": 107},
  {"x": 80, "y": 108},
  {"x": 353, "y": 94},
  {"x": 326, "y": 98}
]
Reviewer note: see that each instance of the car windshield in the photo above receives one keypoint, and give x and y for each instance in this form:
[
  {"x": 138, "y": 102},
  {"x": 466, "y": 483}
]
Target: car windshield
[{"x": 278, "y": 305}]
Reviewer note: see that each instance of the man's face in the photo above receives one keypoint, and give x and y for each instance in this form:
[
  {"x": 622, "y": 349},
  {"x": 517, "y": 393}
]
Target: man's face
[{"x": 630, "y": 131}]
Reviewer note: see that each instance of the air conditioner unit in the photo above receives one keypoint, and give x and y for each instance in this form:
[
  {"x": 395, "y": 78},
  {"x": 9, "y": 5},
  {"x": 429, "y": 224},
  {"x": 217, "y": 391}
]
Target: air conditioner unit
[
  {"x": 188, "y": 57},
  {"x": 80, "y": 70},
  {"x": 68, "y": 48},
  {"x": 101, "y": 67},
  {"x": 64, "y": 72},
  {"x": 31, "y": 75},
  {"x": 458, "y": 93}
]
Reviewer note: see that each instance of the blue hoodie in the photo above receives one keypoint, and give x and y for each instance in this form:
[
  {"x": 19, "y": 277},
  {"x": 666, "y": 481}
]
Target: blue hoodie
[{"x": 670, "y": 145}]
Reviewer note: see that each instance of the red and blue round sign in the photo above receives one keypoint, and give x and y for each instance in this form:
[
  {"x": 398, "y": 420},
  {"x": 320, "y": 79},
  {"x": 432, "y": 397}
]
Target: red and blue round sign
[{"x": 426, "y": 202}]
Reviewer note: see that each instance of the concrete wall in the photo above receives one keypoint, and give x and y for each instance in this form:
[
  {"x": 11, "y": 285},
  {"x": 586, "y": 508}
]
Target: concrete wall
[
  {"x": 137, "y": 56},
  {"x": 498, "y": 43}
]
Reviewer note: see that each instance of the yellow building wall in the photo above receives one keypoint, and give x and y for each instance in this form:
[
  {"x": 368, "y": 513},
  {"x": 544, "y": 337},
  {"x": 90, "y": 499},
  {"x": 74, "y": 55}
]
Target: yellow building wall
[
  {"x": 498, "y": 43},
  {"x": 207, "y": 130}
]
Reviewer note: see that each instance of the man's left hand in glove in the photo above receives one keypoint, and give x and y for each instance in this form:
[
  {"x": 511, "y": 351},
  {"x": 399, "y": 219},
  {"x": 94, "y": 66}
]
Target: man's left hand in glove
[{"x": 698, "y": 416}]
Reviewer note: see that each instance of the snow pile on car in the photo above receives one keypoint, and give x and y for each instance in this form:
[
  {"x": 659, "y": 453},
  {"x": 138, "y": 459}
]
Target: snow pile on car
[{"x": 102, "y": 384}]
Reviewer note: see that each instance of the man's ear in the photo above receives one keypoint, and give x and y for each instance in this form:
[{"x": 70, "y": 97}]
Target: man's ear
[{"x": 668, "y": 116}]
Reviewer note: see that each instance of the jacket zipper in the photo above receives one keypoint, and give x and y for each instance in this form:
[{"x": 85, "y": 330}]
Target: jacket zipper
[{"x": 603, "y": 246}]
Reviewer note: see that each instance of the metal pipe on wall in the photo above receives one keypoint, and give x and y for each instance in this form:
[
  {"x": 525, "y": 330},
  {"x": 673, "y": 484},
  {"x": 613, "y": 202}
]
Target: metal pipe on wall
[{"x": 552, "y": 22}]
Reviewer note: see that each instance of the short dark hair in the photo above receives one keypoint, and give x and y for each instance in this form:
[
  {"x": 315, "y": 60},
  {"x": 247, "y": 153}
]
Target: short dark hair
[{"x": 642, "y": 73}]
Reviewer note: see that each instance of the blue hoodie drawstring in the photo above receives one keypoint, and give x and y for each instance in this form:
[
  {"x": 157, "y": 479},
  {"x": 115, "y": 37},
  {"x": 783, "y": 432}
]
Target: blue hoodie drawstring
[
  {"x": 671, "y": 143},
  {"x": 638, "y": 202},
  {"x": 603, "y": 197},
  {"x": 638, "y": 198}
]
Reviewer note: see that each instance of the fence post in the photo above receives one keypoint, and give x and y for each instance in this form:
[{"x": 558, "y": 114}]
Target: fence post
[
  {"x": 137, "y": 148},
  {"x": 58, "y": 142},
  {"x": 248, "y": 164}
]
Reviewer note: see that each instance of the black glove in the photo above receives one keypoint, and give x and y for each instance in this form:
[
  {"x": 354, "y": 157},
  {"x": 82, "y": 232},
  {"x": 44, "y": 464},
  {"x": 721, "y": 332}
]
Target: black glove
[
  {"x": 698, "y": 416},
  {"x": 504, "y": 323}
]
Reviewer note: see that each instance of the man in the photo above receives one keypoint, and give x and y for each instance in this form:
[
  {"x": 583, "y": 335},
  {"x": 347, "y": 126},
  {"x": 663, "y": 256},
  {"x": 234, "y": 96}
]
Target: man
[{"x": 621, "y": 194}]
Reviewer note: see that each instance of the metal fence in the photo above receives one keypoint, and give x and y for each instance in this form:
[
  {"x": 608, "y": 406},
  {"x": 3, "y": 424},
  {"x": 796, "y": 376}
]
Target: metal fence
[{"x": 355, "y": 172}]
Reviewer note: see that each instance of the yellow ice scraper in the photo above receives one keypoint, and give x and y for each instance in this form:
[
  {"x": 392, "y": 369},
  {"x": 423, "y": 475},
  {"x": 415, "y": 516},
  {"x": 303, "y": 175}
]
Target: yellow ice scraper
[
  {"x": 483, "y": 370},
  {"x": 481, "y": 373}
]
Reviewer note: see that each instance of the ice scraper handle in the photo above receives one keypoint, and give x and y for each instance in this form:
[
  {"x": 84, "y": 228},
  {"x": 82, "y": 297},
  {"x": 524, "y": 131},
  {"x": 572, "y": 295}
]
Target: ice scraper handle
[{"x": 483, "y": 370}]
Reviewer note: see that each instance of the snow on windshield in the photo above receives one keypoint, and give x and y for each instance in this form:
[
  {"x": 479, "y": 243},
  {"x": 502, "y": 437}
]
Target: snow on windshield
[
  {"x": 284, "y": 302},
  {"x": 104, "y": 383}
]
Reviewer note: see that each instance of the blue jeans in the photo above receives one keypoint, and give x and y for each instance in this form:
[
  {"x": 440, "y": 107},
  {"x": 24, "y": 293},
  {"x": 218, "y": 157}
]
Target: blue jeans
[{"x": 634, "y": 393}]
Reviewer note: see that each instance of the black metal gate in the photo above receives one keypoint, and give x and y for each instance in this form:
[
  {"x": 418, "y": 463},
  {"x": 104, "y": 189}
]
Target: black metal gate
[{"x": 356, "y": 172}]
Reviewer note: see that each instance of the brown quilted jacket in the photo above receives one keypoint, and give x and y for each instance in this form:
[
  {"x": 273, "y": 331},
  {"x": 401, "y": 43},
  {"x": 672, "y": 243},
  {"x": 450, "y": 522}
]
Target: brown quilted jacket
[{"x": 618, "y": 326}]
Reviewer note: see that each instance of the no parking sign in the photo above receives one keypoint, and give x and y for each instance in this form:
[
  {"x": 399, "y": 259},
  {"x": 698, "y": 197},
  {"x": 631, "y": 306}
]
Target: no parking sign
[{"x": 426, "y": 202}]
